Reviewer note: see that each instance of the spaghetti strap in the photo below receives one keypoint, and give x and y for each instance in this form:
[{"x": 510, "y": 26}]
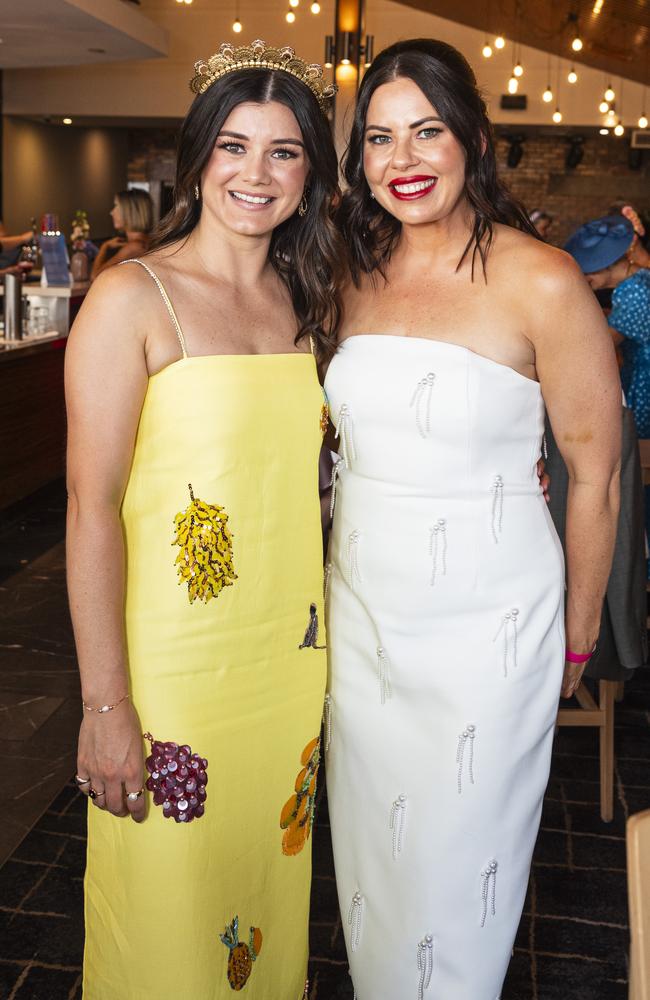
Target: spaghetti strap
[
  {"x": 166, "y": 300},
  {"x": 312, "y": 344}
]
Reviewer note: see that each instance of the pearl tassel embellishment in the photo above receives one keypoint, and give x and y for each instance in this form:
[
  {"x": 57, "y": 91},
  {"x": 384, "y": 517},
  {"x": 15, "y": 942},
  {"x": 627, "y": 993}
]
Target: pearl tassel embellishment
[
  {"x": 423, "y": 393},
  {"x": 436, "y": 547},
  {"x": 397, "y": 818},
  {"x": 327, "y": 722},
  {"x": 353, "y": 556},
  {"x": 383, "y": 672},
  {"x": 336, "y": 472},
  {"x": 355, "y": 915},
  {"x": 509, "y": 628},
  {"x": 425, "y": 964},
  {"x": 326, "y": 579},
  {"x": 467, "y": 736},
  {"x": 497, "y": 507},
  {"x": 489, "y": 890},
  {"x": 345, "y": 435}
]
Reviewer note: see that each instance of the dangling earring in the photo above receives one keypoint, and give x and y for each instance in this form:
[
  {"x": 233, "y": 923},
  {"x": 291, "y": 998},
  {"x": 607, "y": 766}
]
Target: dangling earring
[
  {"x": 372, "y": 194},
  {"x": 303, "y": 206},
  {"x": 197, "y": 193}
]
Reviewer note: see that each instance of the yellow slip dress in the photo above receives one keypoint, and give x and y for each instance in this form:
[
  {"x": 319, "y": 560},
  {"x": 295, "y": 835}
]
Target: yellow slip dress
[{"x": 225, "y": 639}]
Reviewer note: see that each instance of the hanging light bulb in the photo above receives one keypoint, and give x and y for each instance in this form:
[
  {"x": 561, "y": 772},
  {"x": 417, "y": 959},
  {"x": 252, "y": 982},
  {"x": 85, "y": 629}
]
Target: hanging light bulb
[
  {"x": 609, "y": 93},
  {"x": 290, "y": 17},
  {"x": 572, "y": 76},
  {"x": 557, "y": 116},
  {"x": 576, "y": 44},
  {"x": 487, "y": 50},
  {"x": 618, "y": 129},
  {"x": 603, "y": 107},
  {"x": 499, "y": 42},
  {"x": 547, "y": 96},
  {"x": 610, "y": 119},
  {"x": 518, "y": 70},
  {"x": 237, "y": 26},
  {"x": 294, "y": 3},
  {"x": 513, "y": 85},
  {"x": 315, "y": 7},
  {"x": 643, "y": 120}
]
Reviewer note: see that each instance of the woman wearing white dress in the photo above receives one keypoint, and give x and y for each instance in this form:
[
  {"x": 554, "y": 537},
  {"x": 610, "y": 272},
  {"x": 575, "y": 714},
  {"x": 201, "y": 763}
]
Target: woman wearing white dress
[{"x": 445, "y": 576}]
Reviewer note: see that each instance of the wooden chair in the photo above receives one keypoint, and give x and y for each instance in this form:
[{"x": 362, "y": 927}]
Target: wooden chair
[
  {"x": 599, "y": 714},
  {"x": 638, "y": 878}
]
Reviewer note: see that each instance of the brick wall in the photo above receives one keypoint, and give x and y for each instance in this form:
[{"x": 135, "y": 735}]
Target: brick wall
[{"x": 540, "y": 181}]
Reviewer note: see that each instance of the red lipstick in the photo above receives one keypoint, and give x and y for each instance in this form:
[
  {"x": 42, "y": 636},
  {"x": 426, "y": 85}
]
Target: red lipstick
[{"x": 424, "y": 184}]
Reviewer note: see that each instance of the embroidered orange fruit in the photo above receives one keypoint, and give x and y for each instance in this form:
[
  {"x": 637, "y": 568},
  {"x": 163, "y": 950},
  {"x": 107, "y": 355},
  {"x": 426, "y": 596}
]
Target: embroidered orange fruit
[
  {"x": 297, "y": 816},
  {"x": 242, "y": 956},
  {"x": 205, "y": 560},
  {"x": 324, "y": 417}
]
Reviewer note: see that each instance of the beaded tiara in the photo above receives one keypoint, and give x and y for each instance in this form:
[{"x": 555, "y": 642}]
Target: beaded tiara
[{"x": 259, "y": 55}]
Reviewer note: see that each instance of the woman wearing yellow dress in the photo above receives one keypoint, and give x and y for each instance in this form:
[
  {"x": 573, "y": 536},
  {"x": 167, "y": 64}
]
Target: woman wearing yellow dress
[{"x": 194, "y": 551}]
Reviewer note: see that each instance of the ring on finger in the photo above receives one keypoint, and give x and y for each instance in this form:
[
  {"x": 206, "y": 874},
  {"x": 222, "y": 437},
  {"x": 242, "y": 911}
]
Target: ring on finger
[
  {"x": 81, "y": 781},
  {"x": 134, "y": 796},
  {"x": 95, "y": 793}
]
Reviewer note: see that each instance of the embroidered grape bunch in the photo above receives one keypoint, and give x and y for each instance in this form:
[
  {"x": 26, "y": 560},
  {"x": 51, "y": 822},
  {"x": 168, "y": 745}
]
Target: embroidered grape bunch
[
  {"x": 242, "y": 956},
  {"x": 205, "y": 560},
  {"x": 177, "y": 778},
  {"x": 297, "y": 817}
]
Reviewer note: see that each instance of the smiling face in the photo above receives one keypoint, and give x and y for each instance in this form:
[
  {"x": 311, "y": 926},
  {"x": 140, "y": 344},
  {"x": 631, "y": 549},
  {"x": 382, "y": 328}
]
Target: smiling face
[
  {"x": 414, "y": 165},
  {"x": 257, "y": 173}
]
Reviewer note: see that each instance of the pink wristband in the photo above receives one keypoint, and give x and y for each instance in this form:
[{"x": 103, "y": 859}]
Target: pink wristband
[{"x": 578, "y": 657}]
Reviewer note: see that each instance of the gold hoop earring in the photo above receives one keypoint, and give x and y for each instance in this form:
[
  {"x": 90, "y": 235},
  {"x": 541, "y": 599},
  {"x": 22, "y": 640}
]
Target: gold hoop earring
[
  {"x": 303, "y": 206},
  {"x": 197, "y": 193}
]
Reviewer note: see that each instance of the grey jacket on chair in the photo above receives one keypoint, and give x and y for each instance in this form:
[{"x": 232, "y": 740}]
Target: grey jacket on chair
[{"x": 622, "y": 643}]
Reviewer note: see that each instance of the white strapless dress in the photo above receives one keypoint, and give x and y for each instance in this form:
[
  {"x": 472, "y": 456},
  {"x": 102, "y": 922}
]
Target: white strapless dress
[{"x": 446, "y": 638}]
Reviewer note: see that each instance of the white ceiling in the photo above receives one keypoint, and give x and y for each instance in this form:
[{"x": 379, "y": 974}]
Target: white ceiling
[{"x": 63, "y": 33}]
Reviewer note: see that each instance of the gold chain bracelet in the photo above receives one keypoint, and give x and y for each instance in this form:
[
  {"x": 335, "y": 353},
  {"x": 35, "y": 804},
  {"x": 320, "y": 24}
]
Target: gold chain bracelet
[{"x": 103, "y": 708}]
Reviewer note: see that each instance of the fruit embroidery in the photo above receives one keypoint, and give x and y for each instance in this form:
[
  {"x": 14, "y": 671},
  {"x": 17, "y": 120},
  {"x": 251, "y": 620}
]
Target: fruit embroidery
[
  {"x": 242, "y": 956},
  {"x": 205, "y": 560},
  {"x": 324, "y": 416},
  {"x": 177, "y": 778},
  {"x": 297, "y": 817},
  {"x": 311, "y": 632}
]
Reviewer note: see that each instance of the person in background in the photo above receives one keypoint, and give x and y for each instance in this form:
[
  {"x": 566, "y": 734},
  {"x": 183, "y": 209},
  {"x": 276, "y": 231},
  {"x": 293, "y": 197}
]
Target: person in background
[
  {"x": 9, "y": 251},
  {"x": 608, "y": 252},
  {"x": 132, "y": 214},
  {"x": 542, "y": 222}
]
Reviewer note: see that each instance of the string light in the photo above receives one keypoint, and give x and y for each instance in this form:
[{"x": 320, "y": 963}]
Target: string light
[
  {"x": 619, "y": 130},
  {"x": 237, "y": 26},
  {"x": 598, "y": 6},
  {"x": 499, "y": 42},
  {"x": 315, "y": 7},
  {"x": 290, "y": 17},
  {"x": 547, "y": 96},
  {"x": 603, "y": 131},
  {"x": 67, "y": 121},
  {"x": 643, "y": 120},
  {"x": 576, "y": 44},
  {"x": 487, "y": 50},
  {"x": 603, "y": 107},
  {"x": 513, "y": 85},
  {"x": 518, "y": 70},
  {"x": 609, "y": 93},
  {"x": 572, "y": 76},
  {"x": 557, "y": 116}
]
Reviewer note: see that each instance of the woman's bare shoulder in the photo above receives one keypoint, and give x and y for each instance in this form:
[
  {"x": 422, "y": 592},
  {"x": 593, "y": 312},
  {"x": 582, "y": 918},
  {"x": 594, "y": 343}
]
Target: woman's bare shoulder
[{"x": 533, "y": 264}]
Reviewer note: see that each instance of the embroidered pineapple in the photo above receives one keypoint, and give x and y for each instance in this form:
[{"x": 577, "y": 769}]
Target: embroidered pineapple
[
  {"x": 205, "y": 560},
  {"x": 242, "y": 956},
  {"x": 297, "y": 816},
  {"x": 324, "y": 418}
]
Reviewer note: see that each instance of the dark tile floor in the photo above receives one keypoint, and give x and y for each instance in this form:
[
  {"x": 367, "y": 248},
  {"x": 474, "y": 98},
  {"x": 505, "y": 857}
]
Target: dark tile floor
[{"x": 573, "y": 938}]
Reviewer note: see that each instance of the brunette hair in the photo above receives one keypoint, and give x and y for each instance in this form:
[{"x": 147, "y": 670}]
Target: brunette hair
[
  {"x": 136, "y": 209},
  {"x": 305, "y": 250},
  {"x": 447, "y": 80}
]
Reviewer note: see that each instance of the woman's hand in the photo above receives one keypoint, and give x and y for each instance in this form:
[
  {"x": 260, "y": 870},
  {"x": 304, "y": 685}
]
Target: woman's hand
[
  {"x": 111, "y": 754},
  {"x": 572, "y": 676}
]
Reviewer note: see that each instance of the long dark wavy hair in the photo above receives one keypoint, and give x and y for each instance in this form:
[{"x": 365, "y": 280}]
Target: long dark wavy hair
[
  {"x": 447, "y": 80},
  {"x": 306, "y": 251}
]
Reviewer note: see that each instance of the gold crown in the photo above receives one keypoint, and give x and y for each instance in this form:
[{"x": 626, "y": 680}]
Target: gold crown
[{"x": 260, "y": 56}]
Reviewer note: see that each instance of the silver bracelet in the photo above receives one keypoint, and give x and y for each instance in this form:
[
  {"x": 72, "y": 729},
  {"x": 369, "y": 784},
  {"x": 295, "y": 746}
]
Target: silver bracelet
[{"x": 103, "y": 708}]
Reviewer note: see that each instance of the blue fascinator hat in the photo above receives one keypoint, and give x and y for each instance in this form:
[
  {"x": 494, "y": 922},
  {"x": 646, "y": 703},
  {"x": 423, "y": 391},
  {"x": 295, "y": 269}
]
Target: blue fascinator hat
[{"x": 600, "y": 243}]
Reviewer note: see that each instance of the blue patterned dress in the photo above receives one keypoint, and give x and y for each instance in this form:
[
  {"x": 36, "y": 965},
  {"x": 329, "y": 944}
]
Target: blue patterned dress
[{"x": 630, "y": 316}]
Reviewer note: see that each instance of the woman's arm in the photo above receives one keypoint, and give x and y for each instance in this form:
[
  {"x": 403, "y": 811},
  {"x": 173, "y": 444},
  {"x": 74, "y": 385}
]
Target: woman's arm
[
  {"x": 579, "y": 378},
  {"x": 106, "y": 380},
  {"x": 105, "y": 258}
]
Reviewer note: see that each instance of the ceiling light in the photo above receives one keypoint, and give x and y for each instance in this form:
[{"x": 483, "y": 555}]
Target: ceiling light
[
  {"x": 598, "y": 6},
  {"x": 572, "y": 76},
  {"x": 604, "y": 131},
  {"x": 619, "y": 130},
  {"x": 290, "y": 17},
  {"x": 557, "y": 116},
  {"x": 609, "y": 93},
  {"x": 603, "y": 107},
  {"x": 487, "y": 50},
  {"x": 576, "y": 44},
  {"x": 513, "y": 85},
  {"x": 237, "y": 26},
  {"x": 643, "y": 120},
  {"x": 547, "y": 96},
  {"x": 330, "y": 52},
  {"x": 67, "y": 121},
  {"x": 499, "y": 42},
  {"x": 315, "y": 7},
  {"x": 518, "y": 70}
]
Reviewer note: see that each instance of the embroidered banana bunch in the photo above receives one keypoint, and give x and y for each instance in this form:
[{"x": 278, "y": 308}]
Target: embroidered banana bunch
[{"x": 205, "y": 560}]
